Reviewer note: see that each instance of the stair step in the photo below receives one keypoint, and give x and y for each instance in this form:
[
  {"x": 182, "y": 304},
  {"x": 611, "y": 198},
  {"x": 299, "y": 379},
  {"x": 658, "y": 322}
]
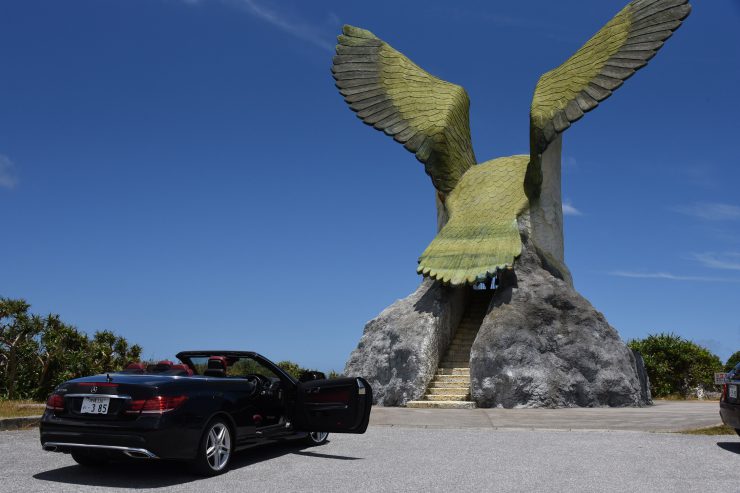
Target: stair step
[
  {"x": 434, "y": 390},
  {"x": 441, "y": 404},
  {"x": 452, "y": 378},
  {"x": 457, "y": 355},
  {"x": 454, "y": 371},
  {"x": 466, "y": 341},
  {"x": 446, "y": 397},
  {"x": 458, "y": 344},
  {"x": 455, "y": 365},
  {"x": 454, "y": 384},
  {"x": 459, "y": 348}
]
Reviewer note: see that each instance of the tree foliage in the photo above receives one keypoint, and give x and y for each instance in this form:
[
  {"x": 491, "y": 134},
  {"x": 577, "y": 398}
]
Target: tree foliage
[
  {"x": 732, "y": 361},
  {"x": 676, "y": 365},
  {"x": 295, "y": 370},
  {"x": 38, "y": 353}
]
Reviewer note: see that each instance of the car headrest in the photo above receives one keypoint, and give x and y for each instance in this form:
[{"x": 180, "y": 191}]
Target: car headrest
[
  {"x": 180, "y": 370},
  {"x": 217, "y": 363},
  {"x": 164, "y": 365},
  {"x": 134, "y": 367},
  {"x": 216, "y": 367}
]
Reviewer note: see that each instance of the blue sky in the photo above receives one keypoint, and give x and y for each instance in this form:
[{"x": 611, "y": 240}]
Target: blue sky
[{"x": 186, "y": 174}]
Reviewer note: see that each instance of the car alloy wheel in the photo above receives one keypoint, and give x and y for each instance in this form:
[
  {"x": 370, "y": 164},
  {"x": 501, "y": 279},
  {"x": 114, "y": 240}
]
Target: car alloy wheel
[
  {"x": 317, "y": 437},
  {"x": 214, "y": 453},
  {"x": 218, "y": 446}
]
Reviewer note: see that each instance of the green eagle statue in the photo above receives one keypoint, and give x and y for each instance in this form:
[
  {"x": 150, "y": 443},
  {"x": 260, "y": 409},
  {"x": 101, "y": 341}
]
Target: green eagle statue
[{"x": 485, "y": 209}]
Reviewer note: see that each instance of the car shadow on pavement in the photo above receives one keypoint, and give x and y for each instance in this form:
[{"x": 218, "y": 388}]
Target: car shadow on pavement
[
  {"x": 136, "y": 474},
  {"x": 730, "y": 446}
]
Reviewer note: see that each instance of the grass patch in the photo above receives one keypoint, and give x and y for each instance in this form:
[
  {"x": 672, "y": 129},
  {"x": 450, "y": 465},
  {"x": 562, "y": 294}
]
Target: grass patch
[
  {"x": 714, "y": 430},
  {"x": 15, "y": 409}
]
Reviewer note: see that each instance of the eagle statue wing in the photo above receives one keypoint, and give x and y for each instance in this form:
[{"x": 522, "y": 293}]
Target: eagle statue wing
[
  {"x": 429, "y": 116},
  {"x": 611, "y": 56}
]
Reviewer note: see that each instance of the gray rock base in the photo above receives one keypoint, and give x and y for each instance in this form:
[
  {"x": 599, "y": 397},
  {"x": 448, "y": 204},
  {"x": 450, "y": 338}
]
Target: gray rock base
[
  {"x": 540, "y": 345},
  {"x": 544, "y": 345},
  {"x": 400, "y": 349}
]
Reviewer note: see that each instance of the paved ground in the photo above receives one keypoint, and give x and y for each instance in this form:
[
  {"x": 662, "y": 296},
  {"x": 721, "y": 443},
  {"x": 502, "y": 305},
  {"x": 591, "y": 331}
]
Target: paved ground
[
  {"x": 663, "y": 416},
  {"x": 412, "y": 459}
]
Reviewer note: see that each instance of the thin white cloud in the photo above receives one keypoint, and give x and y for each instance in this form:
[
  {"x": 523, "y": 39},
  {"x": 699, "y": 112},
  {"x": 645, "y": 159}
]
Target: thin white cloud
[
  {"x": 569, "y": 210},
  {"x": 289, "y": 24},
  {"x": 668, "y": 276},
  {"x": 710, "y": 211},
  {"x": 725, "y": 261},
  {"x": 8, "y": 174}
]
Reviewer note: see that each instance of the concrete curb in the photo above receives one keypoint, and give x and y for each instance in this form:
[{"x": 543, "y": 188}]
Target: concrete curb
[{"x": 7, "y": 424}]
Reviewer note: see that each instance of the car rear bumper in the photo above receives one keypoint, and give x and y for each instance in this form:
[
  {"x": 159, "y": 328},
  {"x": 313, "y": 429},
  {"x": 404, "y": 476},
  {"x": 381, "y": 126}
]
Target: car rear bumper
[
  {"x": 730, "y": 414},
  {"x": 137, "y": 453},
  {"x": 139, "y": 440}
]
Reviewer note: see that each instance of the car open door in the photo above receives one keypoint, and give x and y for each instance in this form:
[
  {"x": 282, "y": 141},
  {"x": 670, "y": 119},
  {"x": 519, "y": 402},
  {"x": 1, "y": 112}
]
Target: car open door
[{"x": 338, "y": 405}]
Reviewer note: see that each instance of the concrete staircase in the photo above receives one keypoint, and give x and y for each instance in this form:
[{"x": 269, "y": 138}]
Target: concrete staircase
[{"x": 450, "y": 386}]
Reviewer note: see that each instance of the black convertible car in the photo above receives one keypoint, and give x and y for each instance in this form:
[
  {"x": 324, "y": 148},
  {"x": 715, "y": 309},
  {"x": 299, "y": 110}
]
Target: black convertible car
[{"x": 203, "y": 410}]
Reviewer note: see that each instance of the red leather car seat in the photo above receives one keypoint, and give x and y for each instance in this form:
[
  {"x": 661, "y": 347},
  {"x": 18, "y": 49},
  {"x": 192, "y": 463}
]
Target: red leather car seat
[
  {"x": 180, "y": 370},
  {"x": 216, "y": 367},
  {"x": 134, "y": 368}
]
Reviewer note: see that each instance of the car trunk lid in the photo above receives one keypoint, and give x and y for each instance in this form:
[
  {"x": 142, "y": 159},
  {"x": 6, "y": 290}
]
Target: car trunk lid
[{"x": 108, "y": 397}]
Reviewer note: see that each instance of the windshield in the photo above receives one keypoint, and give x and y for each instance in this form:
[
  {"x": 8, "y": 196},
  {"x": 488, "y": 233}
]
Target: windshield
[{"x": 235, "y": 366}]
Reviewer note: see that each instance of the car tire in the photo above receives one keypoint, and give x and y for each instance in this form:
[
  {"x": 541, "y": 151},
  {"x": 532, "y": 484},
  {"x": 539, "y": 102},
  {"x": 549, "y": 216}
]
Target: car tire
[
  {"x": 88, "y": 459},
  {"x": 316, "y": 438},
  {"x": 215, "y": 449}
]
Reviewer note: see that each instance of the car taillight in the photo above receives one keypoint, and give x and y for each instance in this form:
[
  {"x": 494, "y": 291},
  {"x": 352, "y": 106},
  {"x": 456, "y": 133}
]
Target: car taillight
[
  {"x": 55, "y": 402},
  {"x": 723, "y": 397},
  {"x": 155, "y": 405}
]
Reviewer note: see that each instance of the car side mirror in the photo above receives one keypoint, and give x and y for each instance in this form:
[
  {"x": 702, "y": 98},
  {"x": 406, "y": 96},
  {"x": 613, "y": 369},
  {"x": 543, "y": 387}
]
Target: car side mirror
[{"x": 307, "y": 376}]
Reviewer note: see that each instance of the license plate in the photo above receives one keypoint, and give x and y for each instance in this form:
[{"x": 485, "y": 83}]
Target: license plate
[
  {"x": 733, "y": 391},
  {"x": 95, "y": 405}
]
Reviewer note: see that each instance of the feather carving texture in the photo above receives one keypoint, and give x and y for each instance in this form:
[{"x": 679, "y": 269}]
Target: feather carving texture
[
  {"x": 429, "y": 116},
  {"x": 611, "y": 56},
  {"x": 482, "y": 234}
]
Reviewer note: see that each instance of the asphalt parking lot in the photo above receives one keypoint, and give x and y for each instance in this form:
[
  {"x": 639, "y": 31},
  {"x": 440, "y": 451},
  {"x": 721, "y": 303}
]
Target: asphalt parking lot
[
  {"x": 661, "y": 416},
  {"x": 397, "y": 458}
]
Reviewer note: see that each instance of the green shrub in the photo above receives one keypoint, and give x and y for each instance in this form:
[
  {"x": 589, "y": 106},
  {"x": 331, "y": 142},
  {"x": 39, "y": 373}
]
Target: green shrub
[
  {"x": 294, "y": 369},
  {"x": 676, "y": 365},
  {"x": 732, "y": 361}
]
